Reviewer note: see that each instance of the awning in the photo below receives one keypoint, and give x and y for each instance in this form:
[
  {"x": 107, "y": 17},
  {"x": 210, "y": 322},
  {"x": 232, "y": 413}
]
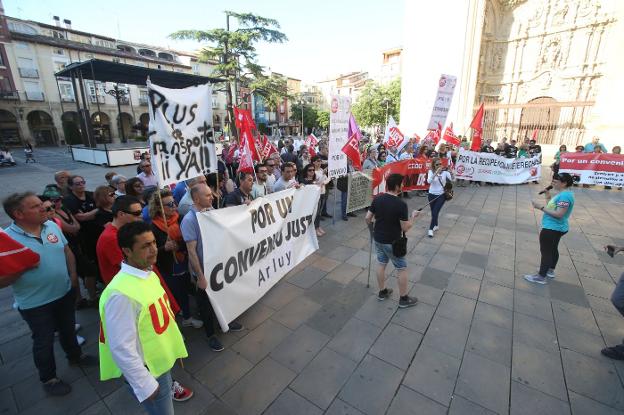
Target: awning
[{"x": 105, "y": 71}]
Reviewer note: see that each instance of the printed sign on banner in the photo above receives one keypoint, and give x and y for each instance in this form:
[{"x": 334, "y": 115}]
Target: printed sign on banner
[
  {"x": 413, "y": 170},
  {"x": 594, "y": 168},
  {"x": 488, "y": 167},
  {"x": 338, "y": 135},
  {"x": 446, "y": 88},
  {"x": 258, "y": 245},
  {"x": 359, "y": 190},
  {"x": 180, "y": 132}
]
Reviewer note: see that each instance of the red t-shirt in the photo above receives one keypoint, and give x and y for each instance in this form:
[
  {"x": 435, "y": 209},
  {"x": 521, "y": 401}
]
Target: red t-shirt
[
  {"x": 108, "y": 253},
  {"x": 109, "y": 257}
]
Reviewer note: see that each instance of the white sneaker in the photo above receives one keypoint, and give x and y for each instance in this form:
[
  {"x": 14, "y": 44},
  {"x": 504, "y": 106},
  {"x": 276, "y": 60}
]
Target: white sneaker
[
  {"x": 430, "y": 233},
  {"x": 535, "y": 278},
  {"x": 81, "y": 340},
  {"x": 192, "y": 322},
  {"x": 435, "y": 228},
  {"x": 550, "y": 273}
]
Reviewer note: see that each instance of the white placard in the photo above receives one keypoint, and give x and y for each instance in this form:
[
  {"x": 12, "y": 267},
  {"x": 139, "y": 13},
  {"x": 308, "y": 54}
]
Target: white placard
[
  {"x": 442, "y": 103},
  {"x": 338, "y": 135},
  {"x": 256, "y": 246},
  {"x": 180, "y": 132},
  {"x": 488, "y": 167}
]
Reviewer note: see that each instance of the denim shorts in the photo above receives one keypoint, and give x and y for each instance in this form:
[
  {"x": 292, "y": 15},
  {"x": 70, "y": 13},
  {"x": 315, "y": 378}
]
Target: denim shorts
[{"x": 384, "y": 255}]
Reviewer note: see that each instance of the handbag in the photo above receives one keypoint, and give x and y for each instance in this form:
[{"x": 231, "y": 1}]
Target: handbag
[
  {"x": 448, "y": 189},
  {"x": 399, "y": 246}
]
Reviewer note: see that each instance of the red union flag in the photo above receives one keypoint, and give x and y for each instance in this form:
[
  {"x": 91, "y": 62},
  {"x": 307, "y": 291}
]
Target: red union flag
[
  {"x": 450, "y": 137},
  {"x": 267, "y": 148},
  {"x": 393, "y": 137},
  {"x": 477, "y": 126},
  {"x": 352, "y": 150},
  {"x": 246, "y": 162},
  {"x": 311, "y": 141},
  {"x": 243, "y": 119}
]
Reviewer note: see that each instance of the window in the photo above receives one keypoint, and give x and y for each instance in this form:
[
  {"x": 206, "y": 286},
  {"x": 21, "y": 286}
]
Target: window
[
  {"x": 67, "y": 92},
  {"x": 58, "y": 66},
  {"x": 58, "y": 35},
  {"x": 22, "y": 28},
  {"x": 116, "y": 60},
  {"x": 59, "y": 52}
]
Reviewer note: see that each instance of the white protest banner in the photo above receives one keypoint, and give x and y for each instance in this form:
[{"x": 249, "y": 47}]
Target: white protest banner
[
  {"x": 257, "y": 245},
  {"x": 359, "y": 190},
  {"x": 594, "y": 168},
  {"x": 488, "y": 167},
  {"x": 446, "y": 88},
  {"x": 180, "y": 132},
  {"x": 393, "y": 137},
  {"x": 338, "y": 135}
]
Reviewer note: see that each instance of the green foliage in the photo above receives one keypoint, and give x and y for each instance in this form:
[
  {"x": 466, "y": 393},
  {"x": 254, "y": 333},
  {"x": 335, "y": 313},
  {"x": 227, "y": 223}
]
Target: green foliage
[
  {"x": 272, "y": 88},
  {"x": 235, "y": 50},
  {"x": 370, "y": 109},
  {"x": 310, "y": 115},
  {"x": 322, "y": 119},
  {"x": 263, "y": 129}
]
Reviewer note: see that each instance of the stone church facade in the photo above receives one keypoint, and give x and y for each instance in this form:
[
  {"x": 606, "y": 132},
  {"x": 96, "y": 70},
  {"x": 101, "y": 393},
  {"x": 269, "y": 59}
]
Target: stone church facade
[{"x": 541, "y": 66}]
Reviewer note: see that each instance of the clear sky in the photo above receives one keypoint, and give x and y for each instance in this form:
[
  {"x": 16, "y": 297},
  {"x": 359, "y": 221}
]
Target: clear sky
[{"x": 326, "y": 37}]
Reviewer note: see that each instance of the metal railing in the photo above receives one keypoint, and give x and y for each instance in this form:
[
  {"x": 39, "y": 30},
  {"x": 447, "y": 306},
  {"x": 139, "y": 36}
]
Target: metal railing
[
  {"x": 28, "y": 73},
  {"x": 35, "y": 96},
  {"x": 9, "y": 95},
  {"x": 68, "y": 99},
  {"x": 553, "y": 122}
]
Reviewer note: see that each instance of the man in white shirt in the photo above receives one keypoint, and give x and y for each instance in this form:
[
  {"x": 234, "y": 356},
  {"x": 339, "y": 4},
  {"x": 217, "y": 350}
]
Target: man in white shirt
[
  {"x": 271, "y": 178},
  {"x": 138, "y": 358},
  {"x": 147, "y": 176},
  {"x": 260, "y": 188}
]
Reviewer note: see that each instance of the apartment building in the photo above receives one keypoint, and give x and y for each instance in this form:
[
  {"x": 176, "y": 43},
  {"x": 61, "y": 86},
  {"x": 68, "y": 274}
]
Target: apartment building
[{"x": 37, "y": 107}]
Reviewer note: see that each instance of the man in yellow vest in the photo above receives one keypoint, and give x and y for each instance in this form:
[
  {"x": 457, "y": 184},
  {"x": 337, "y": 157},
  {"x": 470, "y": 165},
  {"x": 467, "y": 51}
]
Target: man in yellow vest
[{"x": 139, "y": 338}]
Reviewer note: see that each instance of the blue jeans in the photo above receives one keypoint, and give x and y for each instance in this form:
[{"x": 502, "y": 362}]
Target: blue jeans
[
  {"x": 343, "y": 204},
  {"x": 617, "y": 298},
  {"x": 385, "y": 254},
  {"x": 58, "y": 315},
  {"x": 435, "y": 203},
  {"x": 162, "y": 404}
]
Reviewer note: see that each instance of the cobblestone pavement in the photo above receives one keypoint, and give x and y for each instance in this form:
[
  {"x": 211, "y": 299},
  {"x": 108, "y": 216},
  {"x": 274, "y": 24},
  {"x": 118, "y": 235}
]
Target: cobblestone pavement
[{"x": 481, "y": 340}]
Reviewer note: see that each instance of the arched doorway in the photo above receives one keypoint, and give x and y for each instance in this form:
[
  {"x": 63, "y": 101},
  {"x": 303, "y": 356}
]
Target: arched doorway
[
  {"x": 540, "y": 114},
  {"x": 42, "y": 128},
  {"x": 101, "y": 127},
  {"x": 9, "y": 131},
  {"x": 144, "y": 123},
  {"x": 71, "y": 127},
  {"x": 124, "y": 120}
]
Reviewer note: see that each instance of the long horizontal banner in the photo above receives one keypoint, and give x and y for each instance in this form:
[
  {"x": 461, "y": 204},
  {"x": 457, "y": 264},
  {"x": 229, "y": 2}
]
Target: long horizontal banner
[
  {"x": 488, "y": 167},
  {"x": 257, "y": 245},
  {"x": 413, "y": 170},
  {"x": 593, "y": 168}
]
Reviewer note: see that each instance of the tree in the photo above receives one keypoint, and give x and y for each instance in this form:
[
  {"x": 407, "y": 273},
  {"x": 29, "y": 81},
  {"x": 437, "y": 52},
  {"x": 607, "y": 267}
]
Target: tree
[
  {"x": 370, "y": 109},
  {"x": 235, "y": 51},
  {"x": 274, "y": 89},
  {"x": 323, "y": 119},
  {"x": 310, "y": 115}
]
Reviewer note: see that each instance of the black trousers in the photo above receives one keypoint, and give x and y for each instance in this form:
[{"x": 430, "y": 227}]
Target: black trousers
[
  {"x": 206, "y": 312},
  {"x": 549, "y": 247},
  {"x": 43, "y": 322}
]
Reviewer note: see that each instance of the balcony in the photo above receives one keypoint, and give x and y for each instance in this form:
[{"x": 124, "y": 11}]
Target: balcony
[
  {"x": 93, "y": 99},
  {"x": 68, "y": 99},
  {"x": 28, "y": 73},
  {"x": 143, "y": 100},
  {"x": 124, "y": 100},
  {"x": 9, "y": 95},
  {"x": 35, "y": 96}
]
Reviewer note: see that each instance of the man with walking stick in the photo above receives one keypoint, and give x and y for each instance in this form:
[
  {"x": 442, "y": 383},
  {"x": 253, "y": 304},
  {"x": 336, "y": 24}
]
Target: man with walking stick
[{"x": 391, "y": 221}]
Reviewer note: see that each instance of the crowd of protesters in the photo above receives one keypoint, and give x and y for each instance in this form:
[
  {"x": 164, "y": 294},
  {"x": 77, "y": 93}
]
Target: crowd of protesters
[{"x": 135, "y": 246}]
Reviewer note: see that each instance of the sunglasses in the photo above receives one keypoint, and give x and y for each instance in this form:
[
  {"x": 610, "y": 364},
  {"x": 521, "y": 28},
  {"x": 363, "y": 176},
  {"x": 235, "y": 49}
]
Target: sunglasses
[
  {"x": 171, "y": 204},
  {"x": 136, "y": 214},
  {"x": 49, "y": 208},
  {"x": 80, "y": 182}
]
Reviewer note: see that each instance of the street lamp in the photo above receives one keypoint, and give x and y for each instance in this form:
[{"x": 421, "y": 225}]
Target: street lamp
[
  {"x": 386, "y": 101},
  {"x": 118, "y": 94}
]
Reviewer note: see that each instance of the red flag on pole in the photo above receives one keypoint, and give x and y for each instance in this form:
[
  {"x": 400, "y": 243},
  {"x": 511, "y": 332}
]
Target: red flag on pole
[
  {"x": 352, "y": 150},
  {"x": 311, "y": 141},
  {"x": 243, "y": 118},
  {"x": 450, "y": 137},
  {"x": 267, "y": 148},
  {"x": 246, "y": 162},
  {"x": 477, "y": 126}
]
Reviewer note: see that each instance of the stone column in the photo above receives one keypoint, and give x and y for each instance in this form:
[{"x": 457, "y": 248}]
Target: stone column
[
  {"x": 443, "y": 37},
  {"x": 606, "y": 119}
]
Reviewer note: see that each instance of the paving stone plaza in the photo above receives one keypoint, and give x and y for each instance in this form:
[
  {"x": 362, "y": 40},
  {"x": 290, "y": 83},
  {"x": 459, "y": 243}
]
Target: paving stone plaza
[{"x": 482, "y": 340}]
